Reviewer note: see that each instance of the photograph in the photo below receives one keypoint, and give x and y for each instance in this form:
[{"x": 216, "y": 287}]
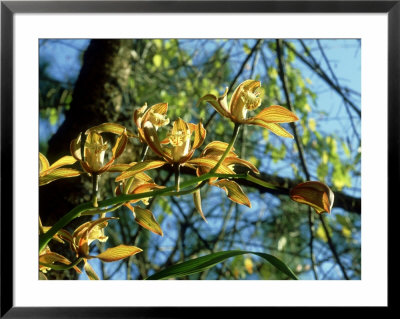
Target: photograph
[
  {"x": 171, "y": 158},
  {"x": 199, "y": 159}
]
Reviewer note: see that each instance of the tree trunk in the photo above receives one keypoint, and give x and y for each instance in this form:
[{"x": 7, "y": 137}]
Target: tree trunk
[{"x": 97, "y": 98}]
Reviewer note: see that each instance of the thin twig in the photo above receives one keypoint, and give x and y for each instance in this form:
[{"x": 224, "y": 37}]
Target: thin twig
[
  {"x": 299, "y": 147},
  {"x": 304, "y": 165}
]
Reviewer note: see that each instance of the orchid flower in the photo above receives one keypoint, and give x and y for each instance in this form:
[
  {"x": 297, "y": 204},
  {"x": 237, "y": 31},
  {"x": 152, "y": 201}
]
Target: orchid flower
[
  {"x": 210, "y": 157},
  {"x": 141, "y": 183},
  {"x": 180, "y": 150},
  {"x": 246, "y": 97},
  {"x": 155, "y": 115},
  {"x": 89, "y": 232},
  {"x": 91, "y": 155}
]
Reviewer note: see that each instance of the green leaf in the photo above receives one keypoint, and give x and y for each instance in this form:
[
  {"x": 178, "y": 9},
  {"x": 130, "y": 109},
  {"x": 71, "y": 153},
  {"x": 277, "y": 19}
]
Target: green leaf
[
  {"x": 202, "y": 263},
  {"x": 246, "y": 48},
  {"x": 157, "y": 59}
]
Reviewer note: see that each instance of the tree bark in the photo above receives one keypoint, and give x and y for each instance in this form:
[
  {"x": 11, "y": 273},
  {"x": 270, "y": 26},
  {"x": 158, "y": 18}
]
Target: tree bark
[{"x": 97, "y": 98}]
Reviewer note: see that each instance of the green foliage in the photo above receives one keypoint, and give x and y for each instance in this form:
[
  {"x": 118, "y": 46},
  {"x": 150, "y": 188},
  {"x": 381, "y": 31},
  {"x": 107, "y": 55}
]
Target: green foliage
[{"x": 202, "y": 263}]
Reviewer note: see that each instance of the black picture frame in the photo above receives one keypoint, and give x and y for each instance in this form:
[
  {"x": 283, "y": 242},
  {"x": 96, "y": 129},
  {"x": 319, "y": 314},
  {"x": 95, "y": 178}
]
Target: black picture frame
[{"x": 9, "y": 8}]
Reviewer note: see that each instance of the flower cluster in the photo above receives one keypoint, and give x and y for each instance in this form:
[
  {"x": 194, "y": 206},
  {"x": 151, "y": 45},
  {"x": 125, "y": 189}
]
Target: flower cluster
[{"x": 216, "y": 164}]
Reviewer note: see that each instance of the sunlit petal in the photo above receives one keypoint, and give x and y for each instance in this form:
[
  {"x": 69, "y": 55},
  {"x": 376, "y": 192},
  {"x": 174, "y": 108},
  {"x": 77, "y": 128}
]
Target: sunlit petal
[{"x": 315, "y": 194}]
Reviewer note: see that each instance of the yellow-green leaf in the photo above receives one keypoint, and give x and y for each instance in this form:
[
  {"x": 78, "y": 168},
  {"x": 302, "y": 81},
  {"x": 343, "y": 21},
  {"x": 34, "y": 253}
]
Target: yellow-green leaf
[
  {"x": 118, "y": 253},
  {"x": 248, "y": 264},
  {"x": 145, "y": 218},
  {"x": 234, "y": 191},
  {"x": 58, "y": 174},
  {"x": 138, "y": 168},
  {"x": 157, "y": 60}
]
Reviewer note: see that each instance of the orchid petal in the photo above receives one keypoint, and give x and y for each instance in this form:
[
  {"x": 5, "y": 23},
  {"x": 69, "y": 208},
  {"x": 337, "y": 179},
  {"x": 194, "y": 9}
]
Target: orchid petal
[
  {"x": 118, "y": 253},
  {"x": 273, "y": 127},
  {"x": 276, "y": 114},
  {"x": 151, "y": 138},
  {"x": 199, "y": 134},
  {"x": 234, "y": 191},
  {"x": 58, "y": 174},
  {"x": 315, "y": 194},
  {"x": 197, "y": 203},
  {"x": 111, "y": 128},
  {"x": 236, "y": 160},
  {"x": 219, "y": 104},
  {"x": 211, "y": 163},
  {"x": 138, "y": 168},
  {"x": 43, "y": 163},
  {"x": 120, "y": 145},
  {"x": 146, "y": 219},
  {"x": 75, "y": 148}
]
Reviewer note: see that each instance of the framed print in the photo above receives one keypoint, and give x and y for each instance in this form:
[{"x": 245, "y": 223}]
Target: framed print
[{"x": 245, "y": 152}]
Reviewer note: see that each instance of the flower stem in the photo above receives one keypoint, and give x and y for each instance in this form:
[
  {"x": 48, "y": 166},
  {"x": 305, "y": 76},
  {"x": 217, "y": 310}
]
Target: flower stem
[
  {"x": 177, "y": 176},
  {"x": 100, "y": 211},
  {"x": 115, "y": 201},
  {"x": 144, "y": 152},
  {"x": 95, "y": 189},
  {"x": 228, "y": 149}
]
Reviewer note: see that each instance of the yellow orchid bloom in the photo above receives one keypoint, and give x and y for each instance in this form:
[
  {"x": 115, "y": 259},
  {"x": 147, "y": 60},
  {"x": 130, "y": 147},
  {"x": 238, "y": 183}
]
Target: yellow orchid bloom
[
  {"x": 246, "y": 97},
  {"x": 89, "y": 232},
  {"x": 140, "y": 183},
  {"x": 94, "y": 150},
  {"x": 180, "y": 149},
  {"x": 155, "y": 115},
  {"x": 210, "y": 156},
  {"x": 148, "y": 120}
]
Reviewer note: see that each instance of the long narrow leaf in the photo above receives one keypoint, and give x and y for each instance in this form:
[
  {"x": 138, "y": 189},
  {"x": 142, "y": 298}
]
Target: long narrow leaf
[{"x": 202, "y": 263}]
